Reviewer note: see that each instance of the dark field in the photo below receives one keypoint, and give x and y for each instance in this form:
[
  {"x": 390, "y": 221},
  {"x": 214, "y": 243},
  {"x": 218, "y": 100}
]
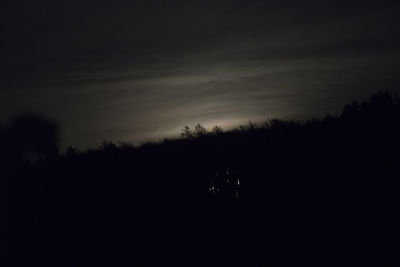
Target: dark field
[{"x": 322, "y": 192}]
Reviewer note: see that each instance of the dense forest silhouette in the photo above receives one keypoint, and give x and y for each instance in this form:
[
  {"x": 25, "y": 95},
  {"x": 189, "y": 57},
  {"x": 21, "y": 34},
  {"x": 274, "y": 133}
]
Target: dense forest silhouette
[{"x": 323, "y": 191}]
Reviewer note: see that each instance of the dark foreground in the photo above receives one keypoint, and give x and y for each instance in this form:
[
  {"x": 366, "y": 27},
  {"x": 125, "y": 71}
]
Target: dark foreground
[{"x": 320, "y": 193}]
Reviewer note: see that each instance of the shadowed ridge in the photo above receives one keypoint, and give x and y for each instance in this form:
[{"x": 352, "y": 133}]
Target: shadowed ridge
[{"x": 324, "y": 191}]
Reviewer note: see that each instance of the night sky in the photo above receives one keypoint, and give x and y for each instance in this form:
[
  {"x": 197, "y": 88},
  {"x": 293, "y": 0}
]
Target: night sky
[{"x": 141, "y": 70}]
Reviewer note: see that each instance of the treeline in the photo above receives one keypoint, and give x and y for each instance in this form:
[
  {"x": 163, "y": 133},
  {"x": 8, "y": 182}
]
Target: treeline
[{"x": 324, "y": 191}]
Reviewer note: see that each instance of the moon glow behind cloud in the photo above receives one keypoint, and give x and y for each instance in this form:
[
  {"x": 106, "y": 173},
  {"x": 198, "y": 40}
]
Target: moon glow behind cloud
[{"x": 143, "y": 70}]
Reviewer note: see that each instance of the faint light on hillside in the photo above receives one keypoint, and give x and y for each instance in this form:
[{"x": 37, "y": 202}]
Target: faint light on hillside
[{"x": 225, "y": 183}]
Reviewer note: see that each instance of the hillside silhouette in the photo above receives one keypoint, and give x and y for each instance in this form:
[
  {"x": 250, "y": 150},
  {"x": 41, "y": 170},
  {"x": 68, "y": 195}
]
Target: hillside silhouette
[{"x": 320, "y": 192}]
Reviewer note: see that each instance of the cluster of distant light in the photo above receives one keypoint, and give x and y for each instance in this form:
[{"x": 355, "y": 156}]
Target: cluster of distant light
[{"x": 226, "y": 183}]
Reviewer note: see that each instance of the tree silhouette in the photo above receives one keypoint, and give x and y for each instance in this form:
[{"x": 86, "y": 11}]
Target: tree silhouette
[
  {"x": 32, "y": 138},
  {"x": 199, "y": 130},
  {"x": 72, "y": 152},
  {"x": 187, "y": 133},
  {"x": 217, "y": 130}
]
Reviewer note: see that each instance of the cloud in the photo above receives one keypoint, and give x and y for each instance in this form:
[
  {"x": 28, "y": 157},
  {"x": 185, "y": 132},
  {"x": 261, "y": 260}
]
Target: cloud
[{"x": 143, "y": 69}]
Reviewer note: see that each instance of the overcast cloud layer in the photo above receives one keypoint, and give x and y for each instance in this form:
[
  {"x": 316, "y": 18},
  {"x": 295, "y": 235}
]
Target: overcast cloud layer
[{"x": 141, "y": 70}]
